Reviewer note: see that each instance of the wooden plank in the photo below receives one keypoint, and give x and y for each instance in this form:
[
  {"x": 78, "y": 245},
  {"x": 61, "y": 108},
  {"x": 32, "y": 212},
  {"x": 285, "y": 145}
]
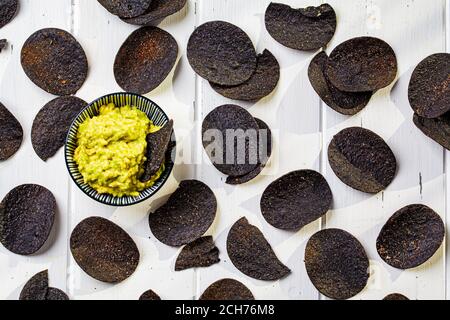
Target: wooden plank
[
  {"x": 414, "y": 29},
  {"x": 101, "y": 34},
  {"x": 293, "y": 114},
  {"x": 24, "y": 100}
]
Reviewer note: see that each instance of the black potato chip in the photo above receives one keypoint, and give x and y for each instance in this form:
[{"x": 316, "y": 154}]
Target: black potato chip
[
  {"x": 55, "y": 61},
  {"x": 429, "y": 88},
  {"x": 27, "y": 214},
  {"x": 227, "y": 289},
  {"x": 52, "y": 123},
  {"x": 251, "y": 254},
  {"x": 260, "y": 84},
  {"x": 199, "y": 253},
  {"x": 347, "y": 103},
  {"x": 126, "y": 8},
  {"x": 437, "y": 129},
  {"x": 336, "y": 263},
  {"x": 3, "y": 44},
  {"x": 157, "y": 145},
  {"x": 56, "y": 294},
  {"x": 8, "y": 10},
  {"x": 104, "y": 250},
  {"x": 245, "y": 178},
  {"x": 149, "y": 295},
  {"x": 234, "y": 151},
  {"x": 158, "y": 10},
  {"x": 145, "y": 60},
  {"x": 37, "y": 289},
  {"x": 11, "y": 133},
  {"x": 362, "y": 160},
  {"x": 186, "y": 216},
  {"x": 395, "y": 296},
  {"x": 264, "y": 153},
  {"x": 264, "y": 142},
  {"x": 306, "y": 29},
  {"x": 410, "y": 237},
  {"x": 296, "y": 199},
  {"x": 362, "y": 64},
  {"x": 222, "y": 53}
]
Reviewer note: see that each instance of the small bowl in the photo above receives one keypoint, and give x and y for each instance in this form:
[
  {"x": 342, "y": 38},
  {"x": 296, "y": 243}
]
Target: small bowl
[{"x": 154, "y": 113}]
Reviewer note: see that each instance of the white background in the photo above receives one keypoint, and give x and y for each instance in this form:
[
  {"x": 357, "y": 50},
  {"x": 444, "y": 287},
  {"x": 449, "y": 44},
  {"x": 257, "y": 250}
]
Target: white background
[{"x": 302, "y": 125}]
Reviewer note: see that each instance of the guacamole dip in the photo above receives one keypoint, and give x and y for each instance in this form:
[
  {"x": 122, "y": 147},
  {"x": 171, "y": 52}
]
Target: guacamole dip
[{"x": 111, "y": 150}]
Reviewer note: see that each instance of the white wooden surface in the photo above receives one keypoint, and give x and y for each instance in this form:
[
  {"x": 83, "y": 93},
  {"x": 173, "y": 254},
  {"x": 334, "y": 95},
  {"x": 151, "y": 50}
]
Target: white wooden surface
[{"x": 302, "y": 127}]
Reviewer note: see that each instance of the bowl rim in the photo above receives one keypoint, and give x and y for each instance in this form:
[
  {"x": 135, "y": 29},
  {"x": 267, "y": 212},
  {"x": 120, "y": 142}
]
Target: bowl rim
[{"x": 162, "y": 182}]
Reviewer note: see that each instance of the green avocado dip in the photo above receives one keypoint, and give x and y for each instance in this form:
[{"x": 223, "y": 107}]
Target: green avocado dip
[{"x": 111, "y": 150}]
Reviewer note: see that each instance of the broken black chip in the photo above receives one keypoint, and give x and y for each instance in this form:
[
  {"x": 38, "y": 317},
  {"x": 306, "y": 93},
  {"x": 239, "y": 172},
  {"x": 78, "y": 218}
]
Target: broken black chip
[
  {"x": 157, "y": 145},
  {"x": 11, "y": 134},
  {"x": 37, "y": 288},
  {"x": 251, "y": 254},
  {"x": 198, "y": 254},
  {"x": 306, "y": 29}
]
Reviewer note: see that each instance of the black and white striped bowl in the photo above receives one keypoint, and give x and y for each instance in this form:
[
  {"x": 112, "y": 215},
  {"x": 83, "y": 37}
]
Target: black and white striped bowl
[{"x": 154, "y": 113}]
